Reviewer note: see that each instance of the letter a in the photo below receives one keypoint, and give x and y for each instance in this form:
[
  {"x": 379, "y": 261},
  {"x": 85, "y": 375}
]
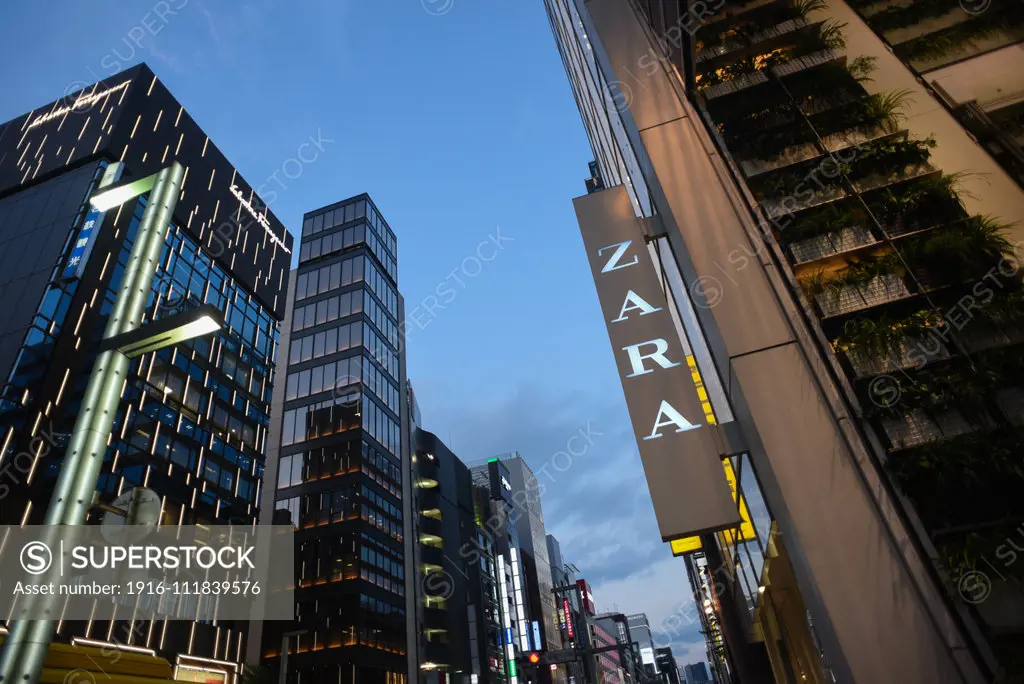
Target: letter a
[
  {"x": 673, "y": 418},
  {"x": 632, "y": 302}
]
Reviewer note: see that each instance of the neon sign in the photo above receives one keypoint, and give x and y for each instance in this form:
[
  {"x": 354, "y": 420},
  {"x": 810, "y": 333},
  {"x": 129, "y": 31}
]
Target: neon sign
[{"x": 81, "y": 102}]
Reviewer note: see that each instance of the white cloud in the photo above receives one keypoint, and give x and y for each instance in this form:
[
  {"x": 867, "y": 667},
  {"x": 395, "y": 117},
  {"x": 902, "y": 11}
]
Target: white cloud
[{"x": 660, "y": 590}]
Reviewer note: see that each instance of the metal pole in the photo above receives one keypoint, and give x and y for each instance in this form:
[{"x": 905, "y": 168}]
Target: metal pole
[{"x": 29, "y": 640}]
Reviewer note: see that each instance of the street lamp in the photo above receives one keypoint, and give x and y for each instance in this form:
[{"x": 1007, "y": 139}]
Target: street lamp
[
  {"x": 26, "y": 646},
  {"x": 282, "y": 676}
]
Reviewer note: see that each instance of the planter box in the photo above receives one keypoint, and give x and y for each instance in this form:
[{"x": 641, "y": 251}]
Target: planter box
[
  {"x": 879, "y": 290},
  {"x": 908, "y": 354},
  {"x": 830, "y": 244},
  {"x": 919, "y": 427},
  {"x": 803, "y": 152}
]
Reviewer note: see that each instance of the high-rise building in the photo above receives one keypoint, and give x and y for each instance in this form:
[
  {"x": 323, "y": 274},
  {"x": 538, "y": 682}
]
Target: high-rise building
[
  {"x": 808, "y": 267},
  {"x": 618, "y": 624},
  {"x": 640, "y": 631},
  {"x": 191, "y": 423},
  {"x": 696, "y": 673},
  {"x": 460, "y": 635},
  {"x": 499, "y": 523},
  {"x": 667, "y": 667},
  {"x": 529, "y": 520},
  {"x": 342, "y": 472}
]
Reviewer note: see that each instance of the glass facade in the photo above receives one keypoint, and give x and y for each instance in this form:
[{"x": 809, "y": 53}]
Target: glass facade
[
  {"x": 192, "y": 420},
  {"x": 603, "y": 104},
  {"x": 340, "y": 474}
]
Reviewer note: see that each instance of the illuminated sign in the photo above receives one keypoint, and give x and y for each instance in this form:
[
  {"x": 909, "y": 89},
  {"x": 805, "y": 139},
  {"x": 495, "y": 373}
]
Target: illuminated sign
[
  {"x": 673, "y": 422},
  {"x": 647, "y": 655},
  {"x": 568, "y": 617},
  {"x": 505, "y": 484},
  {"x": 587, "y": 596},
  {"x": 261, "y": 217},
  {"x": 536, "y": 636},
  {"x": 83, "y": 245},
  {"x": 79, "y": 257},
  {"x": 681, "y": 547},
  {"x": 82, "y": 102}
]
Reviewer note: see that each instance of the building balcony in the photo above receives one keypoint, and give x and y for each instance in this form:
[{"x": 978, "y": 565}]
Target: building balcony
[
  {"x": 432, "y": 555},
  {"x": 428, "y": 498},
  {"x": 431, "y": 526},
  {"x": 756, "y": 78},
  {"x": 910, "y": 353},
  {"x": 761, "y": 42},
  {"x": 919, "y": 427},
  {"x": 426, "y": 466},
  {"x": 438, "y": 653},
  {"x": 831, "y": 244},
  {"x": 436, "y": 618},
  {"x": 879, "y": 290}
]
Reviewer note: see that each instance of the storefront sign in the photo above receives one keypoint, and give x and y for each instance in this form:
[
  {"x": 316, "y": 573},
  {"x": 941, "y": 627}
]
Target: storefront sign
[
  {"x": 87, "y": 234},
  {"x": 673, "y": 424},
  {"x": 83, "y": 101}
]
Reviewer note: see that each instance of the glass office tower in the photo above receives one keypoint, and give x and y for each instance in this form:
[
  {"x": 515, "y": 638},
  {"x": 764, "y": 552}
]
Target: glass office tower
[
  {"x": 192, "y": 420},
  {"x": 342, "y": 471}
]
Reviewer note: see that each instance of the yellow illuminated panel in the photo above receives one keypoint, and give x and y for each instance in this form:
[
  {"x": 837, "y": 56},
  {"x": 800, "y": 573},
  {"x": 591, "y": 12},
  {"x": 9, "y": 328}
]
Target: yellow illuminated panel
[{"x": 747, "y": 532}]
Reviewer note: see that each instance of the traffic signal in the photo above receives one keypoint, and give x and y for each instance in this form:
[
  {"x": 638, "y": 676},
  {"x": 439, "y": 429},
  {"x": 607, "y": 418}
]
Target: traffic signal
[{"x": 534, "y": 658}]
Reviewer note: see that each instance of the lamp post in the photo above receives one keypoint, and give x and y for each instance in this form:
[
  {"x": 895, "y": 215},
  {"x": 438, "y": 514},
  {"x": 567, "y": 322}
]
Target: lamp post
[
  {"x": 28, "y": 642},
  {"x": 282, "y": 676}
]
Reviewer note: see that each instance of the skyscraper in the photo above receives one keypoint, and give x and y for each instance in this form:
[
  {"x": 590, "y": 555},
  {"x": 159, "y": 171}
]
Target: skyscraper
[
  {"x": 696, "y": 673},
  {"x": 640, "y": 632},
  {"x": 785, "y": 224},
  {"x": 191, "y": 424},
  {"x": 461, "y": 634},
  {"x": 529, "y": 520},
  {"x": 342, "y": 472},
  {"x": 499, "y": 524},
  {"x": 667, "y": 667}
]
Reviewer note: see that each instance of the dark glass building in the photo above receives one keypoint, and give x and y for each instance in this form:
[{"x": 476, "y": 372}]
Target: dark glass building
[
  {"x": 460, "y": 638},
  {"x": 341, "y": 471},
  {"x": 500, "y": 525},
  {"x": 192, "y": 420}
]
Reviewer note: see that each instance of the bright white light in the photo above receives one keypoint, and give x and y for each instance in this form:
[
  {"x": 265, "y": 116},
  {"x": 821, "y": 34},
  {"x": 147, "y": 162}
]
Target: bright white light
[{"x": 104, "y": 201}]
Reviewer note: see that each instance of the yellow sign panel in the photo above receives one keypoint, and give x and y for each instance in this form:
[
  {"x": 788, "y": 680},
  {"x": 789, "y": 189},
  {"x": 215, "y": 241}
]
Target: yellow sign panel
[{"x": 690, "y": 544}]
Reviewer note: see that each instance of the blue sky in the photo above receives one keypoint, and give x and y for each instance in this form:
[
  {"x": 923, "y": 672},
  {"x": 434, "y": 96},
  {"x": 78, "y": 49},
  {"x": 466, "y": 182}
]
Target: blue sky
[{"x": 456, "y": 117}]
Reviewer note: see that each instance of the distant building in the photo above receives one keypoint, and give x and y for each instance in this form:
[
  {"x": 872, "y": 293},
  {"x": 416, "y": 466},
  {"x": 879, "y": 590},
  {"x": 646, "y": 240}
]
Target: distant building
[
  {"x": 640, "y": 630},
  {"x": 460, "y": 630},
  {"x": 696, "y": 673},
  {"x": 666, "y": 664}
]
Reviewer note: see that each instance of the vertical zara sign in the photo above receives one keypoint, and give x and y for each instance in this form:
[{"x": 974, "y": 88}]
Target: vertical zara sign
[{"x": 679, "y": 446}]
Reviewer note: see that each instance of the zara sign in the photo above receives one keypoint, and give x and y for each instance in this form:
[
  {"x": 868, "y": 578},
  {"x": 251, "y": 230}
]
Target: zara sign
[{"x": 674, "y": 425}]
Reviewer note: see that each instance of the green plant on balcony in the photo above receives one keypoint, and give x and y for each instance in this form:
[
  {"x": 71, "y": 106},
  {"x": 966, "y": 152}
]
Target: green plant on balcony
[
  {"x": 956, "y": 39},
  {"x": 803, "y": 8},
  {"x": 882, "y": 336},
  {"x": 856, "y": 273},
  {"x": 830, "y": 33},
  {"x": 896, "y": 16},
  {"x": 830, "y": 218},
  {"x": 892, "y": 156},
  {"x": 921, "y": 203},
  {"x": 940, "y": 389},
  {"x": 961, "y": 251}
]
